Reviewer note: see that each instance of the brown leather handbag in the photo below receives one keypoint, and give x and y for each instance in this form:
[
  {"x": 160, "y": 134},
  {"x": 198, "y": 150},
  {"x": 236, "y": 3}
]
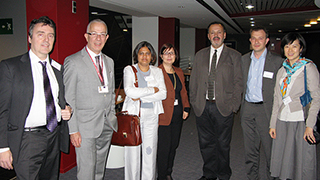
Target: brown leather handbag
[{"x": 129, "y": 133}]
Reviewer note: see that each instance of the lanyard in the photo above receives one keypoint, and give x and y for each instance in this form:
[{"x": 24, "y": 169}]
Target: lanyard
[
  {"x": 175, "y": 80},
  {"x": 97, "y": 70}
]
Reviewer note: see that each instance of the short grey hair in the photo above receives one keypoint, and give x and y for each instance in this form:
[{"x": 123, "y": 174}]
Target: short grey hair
[{"x": 98, "y": 21}]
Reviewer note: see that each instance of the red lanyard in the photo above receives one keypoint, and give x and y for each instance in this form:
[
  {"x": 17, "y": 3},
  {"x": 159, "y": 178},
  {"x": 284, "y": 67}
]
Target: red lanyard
[{"x": 97, "y": 70}]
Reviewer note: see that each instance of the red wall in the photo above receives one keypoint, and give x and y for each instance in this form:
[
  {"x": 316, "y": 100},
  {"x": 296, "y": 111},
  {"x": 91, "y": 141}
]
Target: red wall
[
  {"x": 69, "y": 39},
  {"x": 70, "y": 27}
]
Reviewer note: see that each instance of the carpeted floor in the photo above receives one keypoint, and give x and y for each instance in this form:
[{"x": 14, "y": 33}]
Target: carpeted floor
[{"x": 188, "y": 162}]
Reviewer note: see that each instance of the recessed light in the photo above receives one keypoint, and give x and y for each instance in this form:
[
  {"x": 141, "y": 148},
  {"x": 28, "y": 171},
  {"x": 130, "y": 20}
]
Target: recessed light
[
  {"x": 307, "y": 25},
  {"x": 252, "y": 22},
  {"x": 297, "y": 29},
  {"x": 279, "y": 30},
  {"x": 270, "y": 24},
  {"x": 251, "y": 19},
  {"x": 125, "y": 30},
  {"x": 249, "y": 6},
  {"x": 313, "y": 22},
  {"x": 278, "y": 39},
  {"x": 318, "y": 19},
  {"x": 94, "y": 12}
]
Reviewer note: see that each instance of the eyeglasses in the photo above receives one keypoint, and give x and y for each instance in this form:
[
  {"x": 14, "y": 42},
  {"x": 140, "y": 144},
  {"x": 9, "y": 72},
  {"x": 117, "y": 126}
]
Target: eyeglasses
[
  {"x": 95, "y": 34},
  {"x": 169, "y": 53}
]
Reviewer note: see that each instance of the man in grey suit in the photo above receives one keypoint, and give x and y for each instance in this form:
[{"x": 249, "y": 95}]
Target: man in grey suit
[
  {"x": 89, "y": 82},
  {"x": 215, "y": 95},
  {"x": 259, "y": 76}
]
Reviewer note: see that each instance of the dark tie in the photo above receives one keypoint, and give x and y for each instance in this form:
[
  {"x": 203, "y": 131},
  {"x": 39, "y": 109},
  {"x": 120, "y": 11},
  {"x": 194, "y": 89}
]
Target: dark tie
[
  {"x": 50, "y": 107},
  {"x": 100, "y": 68},
  {"x": 212, "y": 76}
]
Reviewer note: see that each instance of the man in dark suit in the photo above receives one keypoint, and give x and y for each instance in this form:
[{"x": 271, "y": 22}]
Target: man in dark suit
[
  {"x": 259, "y": 68},
  {"x": 32, "y": 130},
  {"x": 215, "y": 95}
]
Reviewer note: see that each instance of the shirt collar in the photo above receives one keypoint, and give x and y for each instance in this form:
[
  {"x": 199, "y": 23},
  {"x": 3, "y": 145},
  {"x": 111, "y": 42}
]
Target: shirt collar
[
  {"x": 263, "y": 55},
  {"x": 35, "y": 59},
  {"x": 92, "y": 54}
]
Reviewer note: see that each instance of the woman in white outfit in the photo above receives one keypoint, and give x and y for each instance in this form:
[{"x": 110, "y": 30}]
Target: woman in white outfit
[{"x": 145, "y": 99}]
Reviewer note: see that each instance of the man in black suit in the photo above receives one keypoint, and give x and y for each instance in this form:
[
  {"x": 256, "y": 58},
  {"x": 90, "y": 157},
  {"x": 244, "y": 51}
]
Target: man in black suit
[
  {"x": 32, "y": 130},
  {"x": 215, "y": 95},
  {"x": 259, "y": 68}
]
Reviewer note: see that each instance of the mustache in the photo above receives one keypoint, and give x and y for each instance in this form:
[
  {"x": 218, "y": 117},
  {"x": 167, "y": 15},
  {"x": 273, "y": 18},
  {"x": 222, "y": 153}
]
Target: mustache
[{"x": 216, "y": 38}]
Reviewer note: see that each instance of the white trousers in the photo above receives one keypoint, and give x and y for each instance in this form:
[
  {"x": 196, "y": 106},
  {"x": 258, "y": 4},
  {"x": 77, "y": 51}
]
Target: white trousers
[{"x": 133, "y": 154}]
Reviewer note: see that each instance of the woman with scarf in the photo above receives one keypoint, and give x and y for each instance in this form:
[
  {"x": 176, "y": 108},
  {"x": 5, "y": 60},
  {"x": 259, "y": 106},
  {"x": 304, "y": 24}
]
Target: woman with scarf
[{"x": 292, "y": 157}]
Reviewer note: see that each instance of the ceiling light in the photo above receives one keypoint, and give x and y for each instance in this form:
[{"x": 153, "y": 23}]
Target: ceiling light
[
  {"x": 251, "y": 19},
  {"x": 313, "y": 22},
  {"x": 318, "y": 19},
  {"x": 279, "y": 30},
  {"x": 125, "y": 30},
  {"x": 94, "y": 12},
  {"x": 297, "y": 29},
  {"x": 249, "y": 6},
  {"x": 307, "y": 25},
  {"x": 181, "y": 7},
  {"x": 278, "y": 39},
  {"x": 252, "y": 22},
  {"x": 270, "y": 24}
]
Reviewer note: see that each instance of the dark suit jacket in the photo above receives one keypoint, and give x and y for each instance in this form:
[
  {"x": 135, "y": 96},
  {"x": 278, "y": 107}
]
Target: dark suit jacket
[
  {"x": 16, "y": 93},
  {"x": 272, "y": 64},
  {"x": 168, "y": 103},
  {"x": 228, "y": 83}
]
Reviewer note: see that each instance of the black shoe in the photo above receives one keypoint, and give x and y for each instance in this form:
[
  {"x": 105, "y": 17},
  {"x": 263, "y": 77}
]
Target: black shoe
[{"x": 204, "y": 178}]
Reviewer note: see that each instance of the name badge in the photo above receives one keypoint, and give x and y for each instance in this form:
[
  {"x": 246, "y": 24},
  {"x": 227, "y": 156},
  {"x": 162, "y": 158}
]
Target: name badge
[
  {"x": 267, "y": 74},
  {"x": 286, "y": 100},
  {"x": 176, "y": 102},
  {"x": 148, "y": 78},
  {"x": 103, "y": 89}
]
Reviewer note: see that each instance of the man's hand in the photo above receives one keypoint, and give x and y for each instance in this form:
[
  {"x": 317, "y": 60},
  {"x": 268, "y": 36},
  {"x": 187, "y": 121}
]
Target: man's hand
[
  {"x": 66, "y": 113},
  {"x": 6, "y": 160},
  {"x": 75, "y": 139}
]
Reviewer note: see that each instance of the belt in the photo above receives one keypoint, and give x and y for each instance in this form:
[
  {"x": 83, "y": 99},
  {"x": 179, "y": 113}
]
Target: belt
[
  {"x": 212, "y": 101},
  {"x": 260, "y": 102},
  {"x": 30, "y": 129}
]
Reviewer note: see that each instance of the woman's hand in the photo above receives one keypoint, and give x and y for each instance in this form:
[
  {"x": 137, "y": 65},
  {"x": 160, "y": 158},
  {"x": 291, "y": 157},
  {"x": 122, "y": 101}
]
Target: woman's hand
[
  {"x": 156, "y": 89},
  {"x": 272, "y": 133},
  {"x": 308, "y": 135},
  {"x": 185, "y": 115}
]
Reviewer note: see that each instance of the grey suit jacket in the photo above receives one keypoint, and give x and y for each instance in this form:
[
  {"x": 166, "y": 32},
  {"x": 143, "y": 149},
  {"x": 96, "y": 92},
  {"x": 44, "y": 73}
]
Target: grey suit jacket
[
  {"x": 16, "y": 94},
  {"x": 228, "y": 83},
  {"x": 90, "y": 108},
  {"x": 272, "y": 64}
]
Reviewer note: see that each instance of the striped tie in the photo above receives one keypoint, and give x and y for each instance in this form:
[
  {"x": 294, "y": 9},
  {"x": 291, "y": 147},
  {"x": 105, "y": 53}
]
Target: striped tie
[
  {"x": 50, "y": 107},
  {"x": 212, "y": 76}
]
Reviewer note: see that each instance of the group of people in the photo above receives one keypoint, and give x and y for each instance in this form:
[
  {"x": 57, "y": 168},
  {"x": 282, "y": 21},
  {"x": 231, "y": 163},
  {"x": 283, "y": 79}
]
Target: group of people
[{"x": 43, "y": 103}]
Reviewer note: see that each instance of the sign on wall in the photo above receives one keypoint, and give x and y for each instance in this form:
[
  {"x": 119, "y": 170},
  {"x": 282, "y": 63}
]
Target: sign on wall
[{"x": 6, "y": 26}]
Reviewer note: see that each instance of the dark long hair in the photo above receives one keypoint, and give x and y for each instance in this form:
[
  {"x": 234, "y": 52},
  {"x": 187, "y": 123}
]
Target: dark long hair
[{"x": 149, "y": 46}]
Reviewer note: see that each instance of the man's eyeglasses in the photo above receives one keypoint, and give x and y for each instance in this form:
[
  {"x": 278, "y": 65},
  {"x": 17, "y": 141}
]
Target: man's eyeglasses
[{"x": 95, "y": 34}]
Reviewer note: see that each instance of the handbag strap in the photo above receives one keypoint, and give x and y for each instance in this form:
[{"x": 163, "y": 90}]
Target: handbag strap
[
  {"x": 118, "y": 90},
  {"x": 135, "y": 74},
  {"x": 305, "y": 80},
  {"x": 136, "y": 84}
]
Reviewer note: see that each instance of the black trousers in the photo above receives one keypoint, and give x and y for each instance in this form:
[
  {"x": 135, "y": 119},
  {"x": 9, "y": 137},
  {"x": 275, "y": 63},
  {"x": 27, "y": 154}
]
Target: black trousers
[
  {"x": 168, "y": 142},
  {"x": 215, "y": 131},
  {"x": 39, "y": 156}
]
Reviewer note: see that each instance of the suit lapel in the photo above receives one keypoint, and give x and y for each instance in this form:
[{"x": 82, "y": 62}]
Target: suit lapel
[
  {"x": 246, "y": 66},
  {"x": 26, "y": 75},
  {"x": 223, "y": 56},
  {"x": 90, "y": 66}
]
